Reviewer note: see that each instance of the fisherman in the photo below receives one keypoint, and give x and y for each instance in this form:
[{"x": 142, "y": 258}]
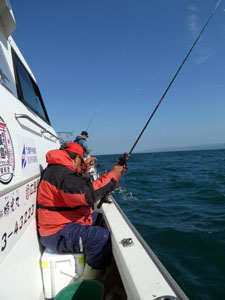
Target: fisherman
[
  {"x": 82, "y": 140},
  {"x": 66, "y": 221}
]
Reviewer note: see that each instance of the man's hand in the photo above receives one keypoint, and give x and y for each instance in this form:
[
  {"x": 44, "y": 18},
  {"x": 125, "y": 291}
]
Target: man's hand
[
  {"x": 90, "y": 161},
  {"x": 119, "y": 170}
]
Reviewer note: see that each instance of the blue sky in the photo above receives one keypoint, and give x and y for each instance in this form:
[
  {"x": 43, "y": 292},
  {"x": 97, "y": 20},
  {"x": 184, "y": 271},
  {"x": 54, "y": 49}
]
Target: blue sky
[{"x": 108, "y": 62}]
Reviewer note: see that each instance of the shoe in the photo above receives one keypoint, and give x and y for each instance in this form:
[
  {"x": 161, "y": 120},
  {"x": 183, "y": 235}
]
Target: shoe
[{"x": 92, "y": 274}]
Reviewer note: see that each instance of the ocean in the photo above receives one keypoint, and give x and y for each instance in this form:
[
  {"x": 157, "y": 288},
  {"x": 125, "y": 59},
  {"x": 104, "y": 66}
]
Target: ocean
[{"x": 176, "y": 200}]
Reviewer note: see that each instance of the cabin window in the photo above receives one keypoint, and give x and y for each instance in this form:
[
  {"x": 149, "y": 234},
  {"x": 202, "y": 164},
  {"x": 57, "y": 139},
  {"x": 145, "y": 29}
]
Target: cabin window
[{"x": 27, "y": 89}]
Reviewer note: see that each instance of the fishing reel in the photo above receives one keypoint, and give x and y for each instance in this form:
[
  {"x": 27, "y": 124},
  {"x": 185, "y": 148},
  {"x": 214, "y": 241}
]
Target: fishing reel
[{"x": 122, "y": 161}]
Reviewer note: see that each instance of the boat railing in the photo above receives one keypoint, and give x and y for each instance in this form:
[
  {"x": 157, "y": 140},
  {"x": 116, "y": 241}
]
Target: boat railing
[{"x": 43, "y": 130}]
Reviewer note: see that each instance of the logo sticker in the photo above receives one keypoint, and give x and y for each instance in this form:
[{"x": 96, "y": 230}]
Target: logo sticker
[
  {"x": 7, "y": 157},
  {"x": 29, "y": 156},
  {"x": 24, "y": 162}
]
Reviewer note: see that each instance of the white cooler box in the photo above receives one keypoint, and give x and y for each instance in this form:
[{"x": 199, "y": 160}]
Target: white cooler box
[{"x": 59, "y": 270}]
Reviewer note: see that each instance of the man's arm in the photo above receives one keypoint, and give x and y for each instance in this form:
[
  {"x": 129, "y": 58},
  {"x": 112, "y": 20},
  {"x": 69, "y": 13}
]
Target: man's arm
[{"x": 107, "y": 182}]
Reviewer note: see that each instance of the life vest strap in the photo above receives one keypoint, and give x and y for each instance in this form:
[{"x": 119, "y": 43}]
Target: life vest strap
[{"x": 58, "y": 208}]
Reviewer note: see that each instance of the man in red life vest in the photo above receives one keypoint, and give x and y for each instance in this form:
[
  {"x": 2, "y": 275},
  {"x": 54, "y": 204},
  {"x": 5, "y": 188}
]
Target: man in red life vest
[{"x": 66, "y": 221}]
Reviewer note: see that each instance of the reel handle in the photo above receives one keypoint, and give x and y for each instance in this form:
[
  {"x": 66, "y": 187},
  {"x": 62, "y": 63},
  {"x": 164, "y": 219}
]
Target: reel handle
[{"x": 122, "y": 160}]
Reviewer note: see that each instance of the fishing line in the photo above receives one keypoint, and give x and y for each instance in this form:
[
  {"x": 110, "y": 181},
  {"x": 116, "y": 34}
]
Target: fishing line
[{"x": 127, "y": 155}]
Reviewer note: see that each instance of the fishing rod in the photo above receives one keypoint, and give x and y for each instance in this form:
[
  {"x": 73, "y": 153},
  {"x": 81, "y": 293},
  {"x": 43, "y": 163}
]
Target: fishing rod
[
  {"x": 122, "y": 161},
  {"x": 94, "y": 131},
  {"x": 92, "y": 118},
  {"x": 124, "y": 158}
]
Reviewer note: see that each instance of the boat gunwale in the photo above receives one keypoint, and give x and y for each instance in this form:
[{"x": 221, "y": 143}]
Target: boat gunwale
[{"x": 166, "y": 275}]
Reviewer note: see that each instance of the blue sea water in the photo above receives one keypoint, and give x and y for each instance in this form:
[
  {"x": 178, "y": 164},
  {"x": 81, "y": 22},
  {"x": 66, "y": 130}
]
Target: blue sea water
[{"x": 176, "y": 200}]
